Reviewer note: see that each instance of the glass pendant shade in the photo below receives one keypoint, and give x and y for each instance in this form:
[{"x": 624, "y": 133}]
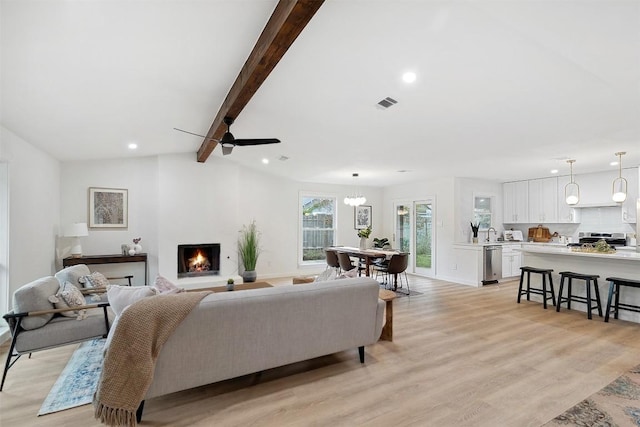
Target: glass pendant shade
[
  {"x": 355, "y": 200},
  {"x": 571, "y": 190},
  {"x": 619, "y": 193}
]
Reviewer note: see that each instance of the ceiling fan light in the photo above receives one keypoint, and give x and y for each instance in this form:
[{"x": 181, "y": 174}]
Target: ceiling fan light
[{"x": 226, "y": 150}]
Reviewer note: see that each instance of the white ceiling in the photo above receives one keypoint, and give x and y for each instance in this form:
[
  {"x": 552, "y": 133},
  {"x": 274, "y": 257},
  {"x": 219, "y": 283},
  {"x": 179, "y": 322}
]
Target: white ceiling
[{"x": 504, "y": 89}]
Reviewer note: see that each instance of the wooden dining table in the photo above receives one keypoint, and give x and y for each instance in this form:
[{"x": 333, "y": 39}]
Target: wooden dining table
[{"x": 368, "y": 255}]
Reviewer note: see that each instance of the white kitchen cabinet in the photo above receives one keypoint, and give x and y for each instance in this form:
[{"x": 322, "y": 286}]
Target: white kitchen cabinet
[
  {"x": 596, "y": 189},
  {"x": 543, "y": 200},
  {"x": 515, "y": 202},
  {"x": 511, "y": 261},
  {"x": 629, "y": 210},
  {"x": 566, "y": 213}
]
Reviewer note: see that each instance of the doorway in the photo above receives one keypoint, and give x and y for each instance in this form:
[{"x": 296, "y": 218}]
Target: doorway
[{"x": 413, "y": 233}]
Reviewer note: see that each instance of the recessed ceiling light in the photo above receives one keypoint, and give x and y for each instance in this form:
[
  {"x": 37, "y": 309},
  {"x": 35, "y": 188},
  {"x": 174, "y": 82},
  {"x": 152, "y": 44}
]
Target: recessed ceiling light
[
  {"x": 265, "y": 161},
  {"x": 554, "y": 171},
  {"x": 409, "y": 77},
  {"x": 132, "y": 146},
  {"x": 614, "y": 163}
]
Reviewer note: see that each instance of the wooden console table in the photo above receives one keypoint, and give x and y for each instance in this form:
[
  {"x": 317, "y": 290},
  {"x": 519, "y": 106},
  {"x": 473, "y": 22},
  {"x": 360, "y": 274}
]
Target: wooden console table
[{"x": 108, "y": 259}]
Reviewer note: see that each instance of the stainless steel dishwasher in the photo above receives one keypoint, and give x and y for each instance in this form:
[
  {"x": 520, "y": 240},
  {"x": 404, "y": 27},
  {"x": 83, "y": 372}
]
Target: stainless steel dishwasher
[{"x": 492, "y": 264}]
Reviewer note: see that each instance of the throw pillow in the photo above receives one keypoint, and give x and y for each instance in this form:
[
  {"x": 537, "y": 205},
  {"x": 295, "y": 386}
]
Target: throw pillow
[
  {"x": 327, "y": 274},
  {"x": 165, "y": 286},
  {"x": 120, "y": 297},
  {"x": 68, "y": 296},
  {"x": 34, "y": 296},
  {"x": 94, "y": 280},
  {"x": 349, "y": 274}
]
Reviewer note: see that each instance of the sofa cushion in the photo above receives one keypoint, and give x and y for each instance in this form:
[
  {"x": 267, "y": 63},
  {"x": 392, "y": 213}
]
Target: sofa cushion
[
  {"x": 69, "y": 296},
  {"x": 34, "y": 296},
  {"x": 120, "y": 297},
  {"x": 73, "y": 274}
]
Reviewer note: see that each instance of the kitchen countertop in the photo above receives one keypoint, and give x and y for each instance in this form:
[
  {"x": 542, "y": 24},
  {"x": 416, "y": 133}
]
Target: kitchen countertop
[
  {"x": 533, "y": 244},
  {"x": 618, "y": 255}
]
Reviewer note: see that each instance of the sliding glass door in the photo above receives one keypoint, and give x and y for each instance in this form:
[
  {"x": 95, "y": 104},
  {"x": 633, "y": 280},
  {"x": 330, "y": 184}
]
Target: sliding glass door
[{"x": 413, "y": 233}]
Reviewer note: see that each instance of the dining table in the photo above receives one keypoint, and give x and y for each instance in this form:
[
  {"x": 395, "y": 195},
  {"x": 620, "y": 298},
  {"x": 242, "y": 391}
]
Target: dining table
[{"x": 367, "y": 255}]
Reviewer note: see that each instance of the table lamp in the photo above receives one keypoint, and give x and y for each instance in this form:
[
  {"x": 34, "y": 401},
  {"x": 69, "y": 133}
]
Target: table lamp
[{"x": 76, "y": 230}]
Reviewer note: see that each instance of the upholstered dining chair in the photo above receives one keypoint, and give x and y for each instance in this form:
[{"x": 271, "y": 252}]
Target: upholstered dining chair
[
  {"x": 396, "y": 266},
  {"x": 332, "y": 259},
  {"x": 345, "y": 262}
]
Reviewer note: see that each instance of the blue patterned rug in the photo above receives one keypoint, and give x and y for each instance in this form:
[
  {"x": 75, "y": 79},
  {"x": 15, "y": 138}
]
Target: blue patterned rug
[
  {"x": 78, "y": 381},
  {"x": 618, "y": 404}
]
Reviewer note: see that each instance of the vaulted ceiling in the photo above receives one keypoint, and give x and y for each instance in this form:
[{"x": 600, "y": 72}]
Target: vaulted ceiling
[{"x": 504, "y": 90}]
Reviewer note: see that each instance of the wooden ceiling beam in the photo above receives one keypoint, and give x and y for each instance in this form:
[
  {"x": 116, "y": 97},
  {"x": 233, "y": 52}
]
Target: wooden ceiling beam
[{"x": 287, "y": 22}]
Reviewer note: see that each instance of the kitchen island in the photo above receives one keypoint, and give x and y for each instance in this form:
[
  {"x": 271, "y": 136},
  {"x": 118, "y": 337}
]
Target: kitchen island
[{"x": 624, "y": 264}]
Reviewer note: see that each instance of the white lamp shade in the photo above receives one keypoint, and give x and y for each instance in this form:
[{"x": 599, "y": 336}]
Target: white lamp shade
[
  {"x": 572, "y": 193},
  {"x": 78, "y": 229},
  {"x": 619, "y": 190}
]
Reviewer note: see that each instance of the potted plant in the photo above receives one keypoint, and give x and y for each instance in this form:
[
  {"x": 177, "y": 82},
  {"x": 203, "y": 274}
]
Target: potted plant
[
  {"x": 249, "y": 250},
  {"x": 230, "y": 284},
  {"x": 380, "y": 243},
  {"x": 474, "y": 229},
  {"x": 364, "y": 234}
]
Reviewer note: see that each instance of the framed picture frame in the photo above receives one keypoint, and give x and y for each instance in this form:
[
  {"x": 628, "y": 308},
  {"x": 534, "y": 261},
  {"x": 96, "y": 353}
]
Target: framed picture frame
[
  {"x": 362, "y": 217},
  {"x": 108, "y": 208}
]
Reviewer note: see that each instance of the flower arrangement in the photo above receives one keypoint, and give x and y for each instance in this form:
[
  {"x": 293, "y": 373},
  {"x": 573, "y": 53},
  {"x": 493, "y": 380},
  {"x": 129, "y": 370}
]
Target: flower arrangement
[
  {"x": 365, "y": 232},
  {"x": 474, "y": 228}
]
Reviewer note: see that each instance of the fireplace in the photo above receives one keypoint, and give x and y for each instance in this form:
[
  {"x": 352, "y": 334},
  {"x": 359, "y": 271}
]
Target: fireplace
[{"x": 198, "y": 260}]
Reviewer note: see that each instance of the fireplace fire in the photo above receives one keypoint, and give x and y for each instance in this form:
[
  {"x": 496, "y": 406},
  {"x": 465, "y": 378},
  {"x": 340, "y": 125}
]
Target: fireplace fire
[{"x": 198, "y": 260}]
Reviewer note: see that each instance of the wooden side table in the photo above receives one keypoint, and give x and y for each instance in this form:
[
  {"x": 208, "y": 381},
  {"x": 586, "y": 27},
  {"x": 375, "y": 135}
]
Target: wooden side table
[{"x": 387, "y": 331}]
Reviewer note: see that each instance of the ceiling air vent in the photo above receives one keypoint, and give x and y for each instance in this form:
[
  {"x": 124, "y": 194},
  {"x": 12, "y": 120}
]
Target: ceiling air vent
[{"x": 387, "y": 102}]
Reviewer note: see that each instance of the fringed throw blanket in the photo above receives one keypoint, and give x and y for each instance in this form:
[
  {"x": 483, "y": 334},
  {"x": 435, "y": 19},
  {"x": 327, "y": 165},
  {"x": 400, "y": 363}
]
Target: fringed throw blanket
[{"x": 130, "y": 360}]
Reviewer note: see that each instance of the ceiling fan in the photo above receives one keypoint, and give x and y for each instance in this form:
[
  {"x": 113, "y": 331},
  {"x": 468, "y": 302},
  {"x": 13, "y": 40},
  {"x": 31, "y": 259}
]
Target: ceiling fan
[{"x": 228, "y": 141}]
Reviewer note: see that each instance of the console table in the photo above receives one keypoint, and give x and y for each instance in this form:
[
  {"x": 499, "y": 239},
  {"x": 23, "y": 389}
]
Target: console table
[{"x": 108, "y": 259}]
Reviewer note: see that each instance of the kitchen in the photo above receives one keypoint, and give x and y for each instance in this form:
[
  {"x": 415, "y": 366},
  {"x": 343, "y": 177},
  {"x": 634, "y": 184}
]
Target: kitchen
[{"x": 528, "y": 204}]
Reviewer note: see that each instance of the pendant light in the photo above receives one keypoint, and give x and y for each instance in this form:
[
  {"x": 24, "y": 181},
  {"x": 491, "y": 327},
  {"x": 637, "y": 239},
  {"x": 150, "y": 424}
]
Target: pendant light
[
  {"x": 619, "y": 184},
  {"x": 571, "y": 190},
  {"x": 357, "y": 199}
]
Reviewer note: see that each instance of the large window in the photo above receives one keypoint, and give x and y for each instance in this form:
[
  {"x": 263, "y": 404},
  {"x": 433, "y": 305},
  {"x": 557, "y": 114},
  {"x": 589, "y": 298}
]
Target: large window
[{"x": 318, "y": 225}]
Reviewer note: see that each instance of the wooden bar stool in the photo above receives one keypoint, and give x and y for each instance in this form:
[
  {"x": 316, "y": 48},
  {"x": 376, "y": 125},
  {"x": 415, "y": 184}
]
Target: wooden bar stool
[
  {"x": 545, "y": 272},
  {"x": 588, "y": 279},
  {"x": 614, "y": 288}
]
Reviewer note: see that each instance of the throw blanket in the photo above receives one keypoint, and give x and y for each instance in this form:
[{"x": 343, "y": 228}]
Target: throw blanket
[{"x": 130, "y": 360}]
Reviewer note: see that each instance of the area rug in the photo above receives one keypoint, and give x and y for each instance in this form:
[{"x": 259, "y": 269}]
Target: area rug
[
  {"x": 618, "y": 404},
  {"x": 402, "y": 292},
  {"x": 77, "y": 382}
]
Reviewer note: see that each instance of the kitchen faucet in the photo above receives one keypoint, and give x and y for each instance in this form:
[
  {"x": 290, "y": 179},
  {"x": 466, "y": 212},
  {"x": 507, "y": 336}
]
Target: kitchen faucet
[{"x": 494, "y": 233}]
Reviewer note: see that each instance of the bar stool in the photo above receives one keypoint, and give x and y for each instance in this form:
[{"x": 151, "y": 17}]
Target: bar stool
[
  {"x": 545, "y": 272},
  {"x": 614, "y": 288},
  {"x": 588, "y": 279}
]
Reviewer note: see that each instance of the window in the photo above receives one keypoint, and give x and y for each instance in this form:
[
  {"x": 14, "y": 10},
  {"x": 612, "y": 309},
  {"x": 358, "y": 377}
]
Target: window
[
  {"x": 482, "y": 211},
  {"x": 318, "y": 225}
]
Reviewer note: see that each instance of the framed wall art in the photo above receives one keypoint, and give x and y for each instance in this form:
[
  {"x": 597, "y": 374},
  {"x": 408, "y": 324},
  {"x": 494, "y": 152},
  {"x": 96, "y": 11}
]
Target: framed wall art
[
  {"x": 108, "y": 208},
  {"x": 362, "y": 217}
]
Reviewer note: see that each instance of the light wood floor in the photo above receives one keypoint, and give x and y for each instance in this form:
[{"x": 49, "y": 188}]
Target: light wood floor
[{"x": 461, "y": 356}]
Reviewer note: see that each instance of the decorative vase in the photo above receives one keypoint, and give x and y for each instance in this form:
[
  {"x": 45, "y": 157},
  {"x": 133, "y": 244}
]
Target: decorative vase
[
  {"x": 137, "y": 248},
  {"x": 230, "y": 286},
  {"x": 363, "y": 243},
  {"x": 132, "y": 251},
  {"x": 249, "y": 276},
  {"x": 475, "y": 240}
]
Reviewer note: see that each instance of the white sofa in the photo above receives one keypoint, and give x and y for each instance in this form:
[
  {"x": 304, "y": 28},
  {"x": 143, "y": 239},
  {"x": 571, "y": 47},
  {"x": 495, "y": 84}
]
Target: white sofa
[{"x": 230, "y": 334}]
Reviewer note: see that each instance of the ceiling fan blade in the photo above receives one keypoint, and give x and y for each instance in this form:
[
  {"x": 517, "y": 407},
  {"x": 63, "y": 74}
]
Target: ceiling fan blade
[
  {"x": 257, "y": 141},
  {"x": 196, "y": 134}
]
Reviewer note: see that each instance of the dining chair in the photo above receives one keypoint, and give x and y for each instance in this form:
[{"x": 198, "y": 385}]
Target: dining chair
[
  {"x": 396, "y": 266},
  {"x": 346, "y": 264},
  {"x": 332, "y": 259}
]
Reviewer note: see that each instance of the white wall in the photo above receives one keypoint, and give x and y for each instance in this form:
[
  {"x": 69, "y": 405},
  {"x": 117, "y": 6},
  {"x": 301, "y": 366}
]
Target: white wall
[
  {"x": 34, "y": 209},
  {"x": 175, "y": 200}
]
